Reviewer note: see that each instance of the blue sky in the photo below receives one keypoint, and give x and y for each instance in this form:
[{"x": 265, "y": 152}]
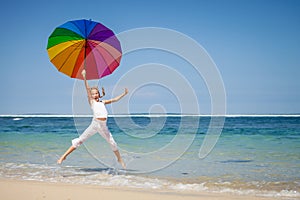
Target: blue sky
[{"x": 254, "y": 44}]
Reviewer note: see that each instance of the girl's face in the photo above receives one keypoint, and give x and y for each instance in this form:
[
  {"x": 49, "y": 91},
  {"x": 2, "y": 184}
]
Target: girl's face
[{"x": 95, "y": 94}]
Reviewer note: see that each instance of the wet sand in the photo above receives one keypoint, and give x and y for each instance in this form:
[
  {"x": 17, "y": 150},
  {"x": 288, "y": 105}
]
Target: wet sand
[{"x": 29, "y": 190}]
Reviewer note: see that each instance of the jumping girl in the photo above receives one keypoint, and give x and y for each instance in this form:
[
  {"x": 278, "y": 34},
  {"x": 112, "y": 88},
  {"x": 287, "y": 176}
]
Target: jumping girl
[{"x": 98, "y": 123}]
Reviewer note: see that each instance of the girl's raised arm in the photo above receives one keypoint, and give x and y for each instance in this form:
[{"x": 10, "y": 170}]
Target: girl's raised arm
[
  {"x": 87, "y": 87},
  {"x": 116, "y": 98}
]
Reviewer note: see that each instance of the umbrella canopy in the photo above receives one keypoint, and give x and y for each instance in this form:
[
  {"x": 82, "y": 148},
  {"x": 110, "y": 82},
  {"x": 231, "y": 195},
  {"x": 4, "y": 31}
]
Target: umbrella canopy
[{"x": 84, "y": 44}]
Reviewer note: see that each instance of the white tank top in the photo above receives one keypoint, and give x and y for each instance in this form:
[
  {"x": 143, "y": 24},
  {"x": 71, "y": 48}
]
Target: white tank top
[{"x": 99, "y": 109}]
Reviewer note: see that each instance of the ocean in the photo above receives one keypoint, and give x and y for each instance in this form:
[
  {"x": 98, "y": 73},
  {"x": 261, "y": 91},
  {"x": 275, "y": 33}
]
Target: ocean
[{"x": 253, "y": 155}]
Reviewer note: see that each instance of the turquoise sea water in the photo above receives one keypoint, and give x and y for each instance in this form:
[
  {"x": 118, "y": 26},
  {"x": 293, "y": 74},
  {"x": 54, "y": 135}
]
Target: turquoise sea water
[{"x": 253, "y": 155}]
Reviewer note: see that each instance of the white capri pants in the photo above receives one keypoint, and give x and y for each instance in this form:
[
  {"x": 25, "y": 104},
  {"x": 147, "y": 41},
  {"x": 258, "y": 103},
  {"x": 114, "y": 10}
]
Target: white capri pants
[{"x": 96, "y": 126}]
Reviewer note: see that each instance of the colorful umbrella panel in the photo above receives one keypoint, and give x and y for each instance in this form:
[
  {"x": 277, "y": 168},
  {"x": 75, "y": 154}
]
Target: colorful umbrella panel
[{"x": 84, "y": 44}]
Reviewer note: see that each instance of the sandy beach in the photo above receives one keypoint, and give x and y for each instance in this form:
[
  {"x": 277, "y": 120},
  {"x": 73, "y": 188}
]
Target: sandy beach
[{"x": 29, "y": 190}]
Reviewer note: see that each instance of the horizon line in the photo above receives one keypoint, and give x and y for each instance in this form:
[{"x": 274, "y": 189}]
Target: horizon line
[{"x": 152, "y": 115}]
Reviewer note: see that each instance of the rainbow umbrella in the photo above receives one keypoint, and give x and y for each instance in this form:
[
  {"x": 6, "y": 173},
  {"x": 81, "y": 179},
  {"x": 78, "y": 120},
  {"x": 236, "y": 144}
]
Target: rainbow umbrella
[{"x": 84, "y": 44}]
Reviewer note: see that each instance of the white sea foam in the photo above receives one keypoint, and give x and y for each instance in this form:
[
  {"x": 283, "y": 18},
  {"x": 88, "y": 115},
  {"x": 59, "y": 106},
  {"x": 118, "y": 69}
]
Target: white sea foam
[
  {"x": 17, "y": 118},
  {"x": 112, "y": 178}
]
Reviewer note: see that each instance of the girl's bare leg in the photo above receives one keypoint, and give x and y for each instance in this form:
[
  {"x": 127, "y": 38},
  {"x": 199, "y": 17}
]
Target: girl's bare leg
[
  {"x": 63, "y": 157},
  {"x": 120, "y": 160}
]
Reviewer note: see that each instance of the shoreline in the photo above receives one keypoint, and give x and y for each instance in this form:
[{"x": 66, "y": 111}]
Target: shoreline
[{"x": 27, "y": 190}]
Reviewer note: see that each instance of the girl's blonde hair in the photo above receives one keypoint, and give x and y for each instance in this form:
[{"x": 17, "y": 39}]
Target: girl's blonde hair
[{"x": 96, "y": 88}]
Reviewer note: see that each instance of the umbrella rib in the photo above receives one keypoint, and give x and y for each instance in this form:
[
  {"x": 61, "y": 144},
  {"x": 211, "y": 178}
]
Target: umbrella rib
[
  {"x": 107, "y": 51},
  {"x": 84, "y": 35},
  {"x": 77, "y": 45},
  {"x": 96, "y": 58},
  {"x": 110, "y": 55},
  {"x": 107, "y": 30}
]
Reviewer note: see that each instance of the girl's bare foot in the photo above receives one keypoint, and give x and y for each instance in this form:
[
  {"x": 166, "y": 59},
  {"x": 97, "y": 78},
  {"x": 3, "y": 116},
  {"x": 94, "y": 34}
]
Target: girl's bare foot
[
  {"x": 63, "y": 157},
  {"x": 122, "y": 163},
  {"x": 120, "y": 160},
  {"x": 59, "y": 161}
]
